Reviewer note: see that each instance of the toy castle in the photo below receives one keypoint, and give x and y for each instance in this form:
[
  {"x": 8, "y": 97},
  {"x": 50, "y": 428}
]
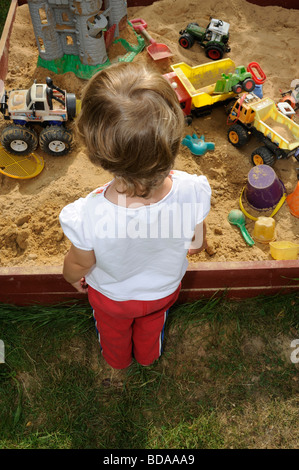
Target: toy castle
[{"x": 76, "y": 28}]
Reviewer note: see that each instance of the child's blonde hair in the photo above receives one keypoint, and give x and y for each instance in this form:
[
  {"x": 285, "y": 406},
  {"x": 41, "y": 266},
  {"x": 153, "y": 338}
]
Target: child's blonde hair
[{"x": 131, "y": 123}]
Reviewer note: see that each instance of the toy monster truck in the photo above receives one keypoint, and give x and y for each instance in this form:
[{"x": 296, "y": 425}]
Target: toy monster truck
[
  {"x": 45, "y": 104},
  {"x": 214, "y": 39}
]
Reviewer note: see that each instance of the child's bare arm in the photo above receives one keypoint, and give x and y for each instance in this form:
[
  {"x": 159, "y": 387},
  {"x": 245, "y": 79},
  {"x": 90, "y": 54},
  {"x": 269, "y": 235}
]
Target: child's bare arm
[
  {"x": 77, "y": 264},
  {"x": 199, "y": 241}
]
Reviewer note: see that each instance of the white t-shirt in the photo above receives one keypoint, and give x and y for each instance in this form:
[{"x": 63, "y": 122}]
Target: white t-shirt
[{"x": 140, "y": 251}]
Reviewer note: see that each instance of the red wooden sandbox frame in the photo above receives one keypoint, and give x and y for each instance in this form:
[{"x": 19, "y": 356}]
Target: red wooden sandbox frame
[{"x": 45, "y": 285}]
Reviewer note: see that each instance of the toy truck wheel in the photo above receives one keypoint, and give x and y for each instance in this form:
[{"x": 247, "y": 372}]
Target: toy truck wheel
[
  {"x": 19, "y": 140},
  {"x": 188, "y": 120},
  {"x": 55, "y": 140},
  {"x": 248, "y": 85},
  {"x": 237, "y": 88},
  {"x": 186, "y": 41},
  {"x": 229, "y": 106},
  {"x": 237, "y": 135},
  {"x": 71, "y": 105},
  {"x": 214, "y": 52},
  {"x": 262, "y": 156}
]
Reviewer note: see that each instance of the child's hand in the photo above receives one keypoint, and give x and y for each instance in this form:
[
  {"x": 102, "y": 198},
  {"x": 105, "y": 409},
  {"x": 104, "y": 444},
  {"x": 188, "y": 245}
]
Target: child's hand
[
  {"x": 81, "y": 286},
  {"x": 199, "y": 240},
  {"x": 194, "y": 251}
]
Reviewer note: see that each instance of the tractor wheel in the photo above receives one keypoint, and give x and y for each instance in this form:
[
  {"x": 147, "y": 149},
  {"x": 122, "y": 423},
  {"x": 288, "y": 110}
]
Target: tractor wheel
[
  {"x": 237, "y": 88},
  {"x": 186, "y": 41},
  {"x": 214, "y": 52},
  {"x": 192, "y": 24},
  {"x": 56, "y": 140},
  {"x": 248, "y": 85},
  {"x": 237, "y": 135},
  {"x": 19, "y": 140},
  {"x": 263, "y": 156}
]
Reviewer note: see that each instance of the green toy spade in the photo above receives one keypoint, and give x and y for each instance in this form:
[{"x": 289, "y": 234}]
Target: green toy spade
[{"x": 236, "y": 217}]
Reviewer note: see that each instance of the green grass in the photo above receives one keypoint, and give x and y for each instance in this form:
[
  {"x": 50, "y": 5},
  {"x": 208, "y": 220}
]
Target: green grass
[
  {"x": 5, "y": 4},
  {"x": 225, "y": 380}
]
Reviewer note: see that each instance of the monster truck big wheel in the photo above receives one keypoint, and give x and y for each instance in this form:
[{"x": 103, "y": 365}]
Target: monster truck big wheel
[
  {"x": 263, "y": 156},
  {"x": 56, "y": 140},
  {"x": 248, "y": 85},
  {"x": 237, "y": 135},
  {"x": 18, "y": 139},
  {"x": 214, "y": 52},
  {"x": 186, "y": 41},
  {"x": 71, "y": 105}
]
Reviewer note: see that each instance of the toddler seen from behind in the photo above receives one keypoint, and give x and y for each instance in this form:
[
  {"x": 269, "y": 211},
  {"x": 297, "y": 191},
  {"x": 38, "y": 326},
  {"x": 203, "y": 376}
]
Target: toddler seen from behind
[{"x": 130, "y": 237}]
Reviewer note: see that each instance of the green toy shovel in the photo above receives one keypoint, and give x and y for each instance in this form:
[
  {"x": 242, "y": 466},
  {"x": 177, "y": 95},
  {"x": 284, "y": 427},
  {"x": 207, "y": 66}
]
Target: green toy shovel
[{"x": 236, "y": 217}]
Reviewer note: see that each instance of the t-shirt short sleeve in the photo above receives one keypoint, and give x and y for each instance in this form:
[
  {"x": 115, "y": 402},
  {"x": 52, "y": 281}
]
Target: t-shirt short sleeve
[
  {"x": 74, "y": 225},
  {"x": 203, "y": 197}
]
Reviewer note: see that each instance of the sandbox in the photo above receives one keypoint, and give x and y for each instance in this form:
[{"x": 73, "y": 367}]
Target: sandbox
[{"x": 32, "y": 242}]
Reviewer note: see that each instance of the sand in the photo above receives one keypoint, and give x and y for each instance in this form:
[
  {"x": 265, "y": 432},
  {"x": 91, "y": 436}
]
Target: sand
[{"x": 29, "y": 227}]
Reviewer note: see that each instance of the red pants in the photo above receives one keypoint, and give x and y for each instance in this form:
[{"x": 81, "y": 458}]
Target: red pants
[{"x": 131, "y": 327}]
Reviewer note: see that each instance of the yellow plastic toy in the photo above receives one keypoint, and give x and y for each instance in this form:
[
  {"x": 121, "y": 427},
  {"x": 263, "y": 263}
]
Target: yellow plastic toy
[
  {"x": 20, "y": 167},
  {"x": 264, "y": 230},
  {"x": 251, "y": 115},
  {"x": 200, "y": 80},
  {"x": 284, "y": 250},
  {"x": 278, "y": 206}
]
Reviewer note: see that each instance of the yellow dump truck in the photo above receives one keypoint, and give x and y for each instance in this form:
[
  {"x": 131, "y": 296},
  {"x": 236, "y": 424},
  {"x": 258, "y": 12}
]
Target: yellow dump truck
[
  {"x": 260, "y": 117},
  {"x": 195, "y": 86}
]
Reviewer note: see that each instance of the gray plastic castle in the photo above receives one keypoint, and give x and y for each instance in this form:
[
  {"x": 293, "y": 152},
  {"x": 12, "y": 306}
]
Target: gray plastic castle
[{"x": 76, "y": 27}]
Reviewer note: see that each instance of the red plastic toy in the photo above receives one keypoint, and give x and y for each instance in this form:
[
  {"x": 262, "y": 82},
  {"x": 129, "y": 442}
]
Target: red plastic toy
[{"x": 260, "y": 79}]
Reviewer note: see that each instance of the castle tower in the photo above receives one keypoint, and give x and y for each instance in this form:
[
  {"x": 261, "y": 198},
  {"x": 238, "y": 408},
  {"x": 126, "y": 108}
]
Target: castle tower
[
  {"x": 75, "y": 27},
  {"x": 91, "y": 47},
  {"x": 117, "y": 13},
  {"x": 44, "y": 21}
]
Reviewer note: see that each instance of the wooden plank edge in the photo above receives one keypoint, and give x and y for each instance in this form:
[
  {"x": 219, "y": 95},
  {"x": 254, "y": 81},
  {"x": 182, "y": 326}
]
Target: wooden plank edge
[
  {"x": 5, "y": 39},
  {"x": 186, "y": 295},
  {"x": 45, "y": 285},
  {"x": 195, "y": 270}
]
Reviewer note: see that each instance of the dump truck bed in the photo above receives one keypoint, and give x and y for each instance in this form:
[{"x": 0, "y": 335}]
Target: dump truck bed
[
  {"x": 200, "y": 81},
  {"x": 275, "y": 125}
]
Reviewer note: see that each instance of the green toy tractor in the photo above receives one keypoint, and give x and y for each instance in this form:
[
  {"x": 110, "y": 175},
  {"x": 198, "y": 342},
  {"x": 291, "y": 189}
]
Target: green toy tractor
[
  {"x": 239, "y": 81},
  {"x": 214, "y": 38}
]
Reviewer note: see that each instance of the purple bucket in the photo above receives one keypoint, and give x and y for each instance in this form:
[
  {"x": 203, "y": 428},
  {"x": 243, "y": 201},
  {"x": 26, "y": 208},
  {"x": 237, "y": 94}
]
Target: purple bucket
[{"x": 263, "y": 189}]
